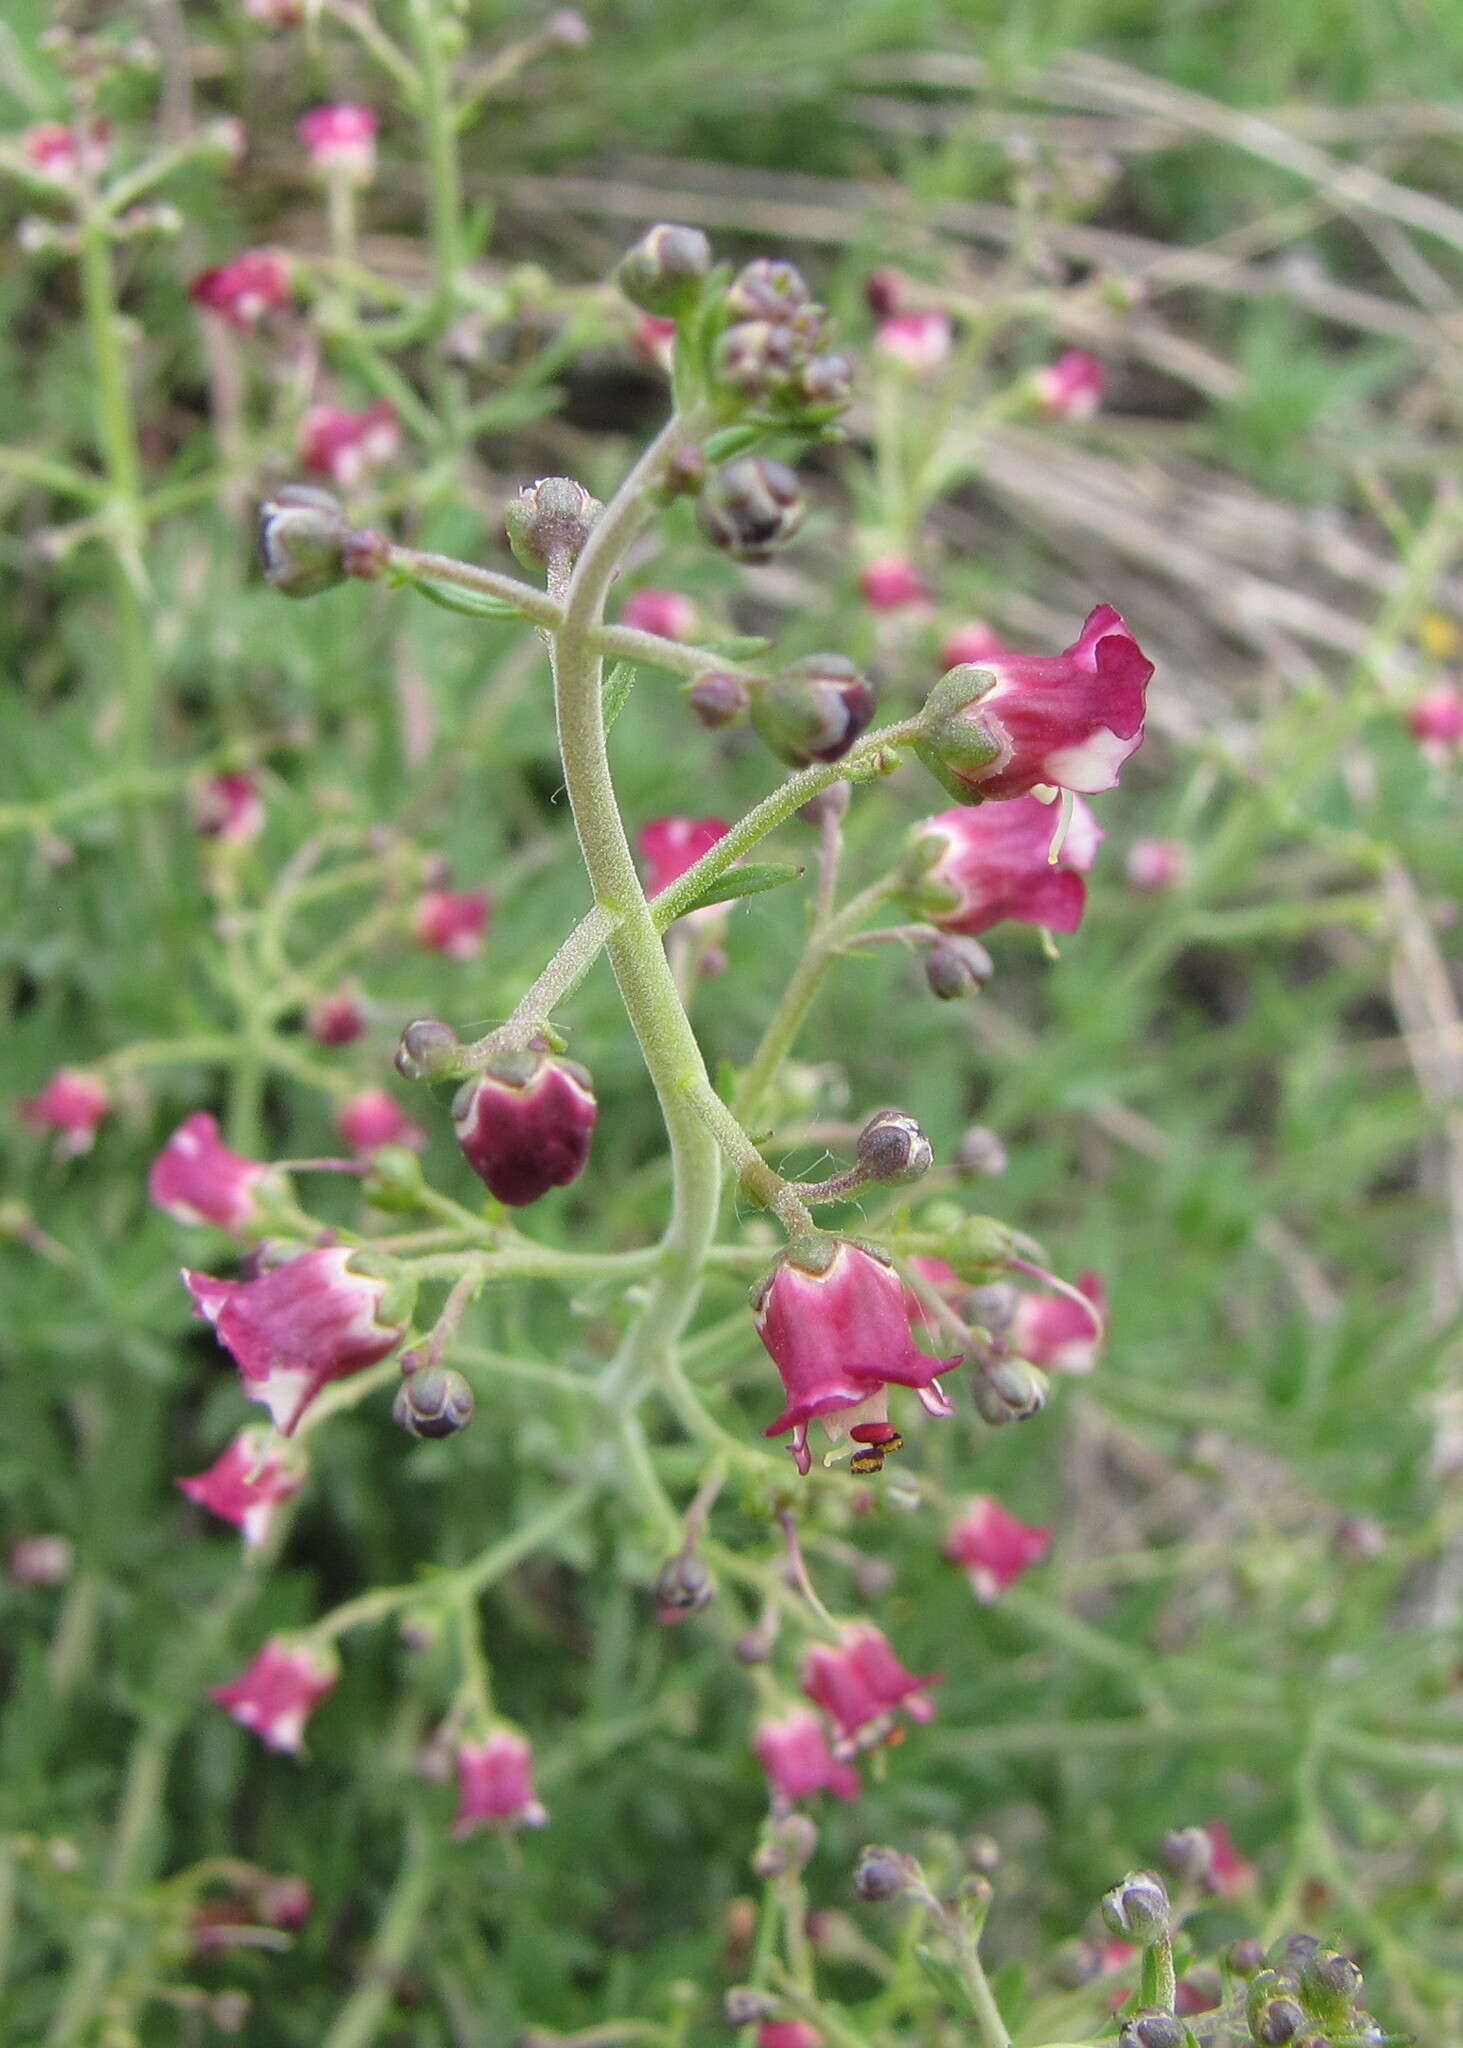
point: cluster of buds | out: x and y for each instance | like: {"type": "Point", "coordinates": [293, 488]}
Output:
{"type": "Point", "coordinates": [751, 508]}
{"type": "Point", "coordinates": [769, 353]}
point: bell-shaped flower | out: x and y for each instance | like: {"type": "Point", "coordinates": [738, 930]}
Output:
{"type": "Point", "coordinates": [71, 1104]}
{"type": "Point", "coordinates": [525, 1124]}
{"type": "Point", "coordinates": [794, 1753]}
{"type": "Point", "coordinates": [1070, 388]}
{"type": "Point", "coordinates": [495, 1784]}
{"type": "Point", "coordinates": [916, 342]}
{"type": "Point", "coordinates": [971, 869]}
{"type": "Point", "coordinates": [834, 1317]}
{"type": "Point", "coordinates": [372, 1119]}
{"type": "Point", "coordinates": [1066, 720]}
{"type": "Point", "coordinates": [243, 290]}
{"type": "Point", "coordinates": [340, 140]}
{"type": "Point", "coordinates": [992, 1547]}
{"type": "Point", "coordinates": [248, 1484]}
{"type": "Point", "coordinates": [452, 921]}
{"type": "Point", "coordinates": [861, 1685]}
{"type": "Point", "coordinates": [298, 1326]}
{"type": "Point", "coordinates": [891, 583]}
{"type": "Point", "coordinates": [346, 446]}
{"type": "Point", "coordinates": [669, 614]}
{"type": "Point", "coordinates": [197, 1179]}
{"type": "Point", "coordinates": [280, 1690]}
{"type": "Point", "coordinates": [1060, 1334]}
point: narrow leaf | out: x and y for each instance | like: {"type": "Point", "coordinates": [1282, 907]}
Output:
{"type": "Point", "coordinates": [743, 881]}
{"type": "Point", "coordinates": [946, 1979]}
{"type": "Point", "coordinates": [473, 604]}
{"type": "Point", "coordinates": [729, 441]}
{"type": "Point", "coordinates": [617, 686]}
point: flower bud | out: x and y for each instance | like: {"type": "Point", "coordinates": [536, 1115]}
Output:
{"type": "Point", "coordinates": [751, 508]}
{"type": "Point", "coordinates": [434, 1401]}
{"type": "Point", "coordinates": [683, 1586]}
{"type": "Point", "coordinates": [1152, 2030]}
{"type": "Point", "coordinates": [786, 1847]}
{"type": "Point", "coordinates": [881, 1874]}
{"type": "Point", "coordinates": [813, 710]}
{"type": "Point", "coordinates": [1137, 1909]}
{"type": "Point", "coordinates": [718, 699]}
{"type": "Point", "coordinates": [980, 1151]}
{"type": "Point", "coordinates": [1010, 1390]}
{"type": "Point", "coordinates": [1330, 1985]}
{"type": "Point", "coordinates": [301, 534]}
{"type": "Point", "coordinates": [893, 1149]}
{"type": "Point", "coordinates": [1187, 1854]}
{"type": "Point", "coordinates": [956, 966]}
{"type": "Point", "coordinates": [429, 1051]}
{"type": "Point", "coordinates": [744, 2005]}
{"type": "Point", "coordinates": [525, 1124]}
{"type": "Point", "coordinates": [1077, 1963]}
{"type": "Point", "coordinates": [665, 270]}
{"type": "Point", "coordinates": [768, 290]}
{"type": "Point", "coordinates": [393, 1180]}
{"type": "Point", "coordinates": [1276, 2022]}
{"type": "Point", "coordinates": [549, 522]}
{"type": "Point", "coordinates": [991, 1308]}
{"type": "Point", "coordinates": [1245, 1957]}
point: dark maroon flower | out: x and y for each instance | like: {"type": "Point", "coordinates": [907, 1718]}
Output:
{"type": "Point", "coordinates": [525, 1125]}
{"type": "Point", "coordinates": [230, 809]}
{"type": "Point", "coordinates": [337, 1020]}
{"type": "Point", "coordinates": [970, 869]}
{"type": "Point", "coordinates": [299, 1326]}
{"type": "Point", "coordinates": [795, 1755]}
{"type": "Point", "coordinates": [373, 1119]}
{"type": "Point", "coordinates": [891, 583]}
{"type": "Point", "coordinates": [992, 1547]}
{"type": "Point", "coordinates": [834, 1317]}
{"type": "Point", "coordinates": [199, 1180]}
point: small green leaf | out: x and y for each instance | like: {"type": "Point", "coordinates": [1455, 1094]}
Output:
{"type": "Point", "coordinates": [946, 1979]}
{"type": "Point", "coordinates": [730, 441]}
{"type": "Point", "coordinates": [739, 647]}
{"type": "Point", "coordinates": [473, 604]}
{"type": "Point", "coordinates": [617, 686]}
{"type": "Point", "coordinates": [746, 881]}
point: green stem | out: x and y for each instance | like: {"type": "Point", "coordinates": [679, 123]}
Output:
{"type": "Point", "coordinates": [360, 2018]}
{"type": "Point", "coordinates": [439, 132]}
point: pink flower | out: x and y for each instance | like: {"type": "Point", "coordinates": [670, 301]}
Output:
{"type": "Point", "coordinates": [917, 342]}
{"type": "Point", "coordinates": [72, 1104]}
{"type": "Point", "coordinates": [655, 341]}
{"type": "Point", "coordinates": [298, 1326]}
{"type": "Point", "coordinates": [1069, 720]}
{"type": "Point", "coordinates": [977, 867]}
{"type": "Point", "coordinates": [199, 1180]}
{"type": "Point", "coordinates": [861, 1685]}
{"type": "Point", "coordinates": [247, 1485]}
{"type": "Point", "coordinates": [280, 1690]}
{"type": "Point", "coordinates": [993, 1547]}
{"type": "Point", "coordinates": [1057, 1333]}
{"type": "Point", "coordinates": [1071, 387]}
{"type": "Point", "coordinates": [1435, 720]}
{"type": "Point", "coordinates": [452, 921]}
{"type": "Point", "coordinates": [667, 613]}
{"type": "Point", "coordinates": [525, 1125]}
{"type": "Point", "coordinates": [336, 1020]}
{"type": "Point", "coordinates": [495, 1784]}
{"type": "Point", "coordinates": [276, 13]}
{"type": "Point", "coordinates": [669, 846]}
{"type": "Point", "coordinates": [39, 1561]}
{"type": "Point", "coordinates": [795, 1755]}
{"type": "Point", "coordinates": [244, 290]}
{"type": "Point", "coordinates": [346, 446]}
{"type": "Point", "coordinates": [976, 645]}
{"type": "Point", "coordinates": [341, 141]}
{"type": "Point", "coordinates": [946, 1283]}
{"type": "Point", "coordinates": [788, 2034]}
{"type": "Point", "coordinates": [372, 1119]}
{"type": "Point", "coordinates": [886, 292]}
{"type": "Point", "coordinates": [230, 809]}
{"type": "Point", "coordinates": [1229, 1872]}
{"type": "Point", "coordinates": [1156, 865]}
{"type": "Point", "coordinates": [890, 583]}
{"type": "Point", "coordinates": [834, 1319]}
{"type": "Point", "coordinates": [68, 155]}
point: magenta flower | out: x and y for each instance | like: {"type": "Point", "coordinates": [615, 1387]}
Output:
{"type": "Point", "coordinates": [916, 342]}
{"type": "Point", "coordinates": [891, 583]}
{"type": "Point", "coordinates": [341, 141]}
{"type": "Point", "coordinates": [247, 1485]}
{"type": "Point", "coordinates": [1229, 1872]}
{"type": "Point", "coordinates": [525, 1125]}
{"type": "Point", "coordinates": [495, 1784]}
{"type": "Point", "coordinates": [197, 1179]}
{"type": "Point", "coordinates": [372, 1119]}
{"type": "Point", "coordinates": [230, 809]}
{"type": "Point", "coordinates": [671, 845]}
{"type": "Point", "coordinates": [861, 1685]}
{"type": "Point", "coordinates": [1435, 720]}
{"type": "Point", "coordinates": [1067, 720]}
{"type": "Point", "coordinates": [452, 921]}
{"type": "Point", "coordinates": [788, 2034]}
{"type": "Point", "coordinates": [347, 446]}
{"type": "Point", "coordinates": [992, 1547]}
{"type": "Point", "coordinates": [667, 613]}
{"type": "Point", "coordinates": [298, 1326]}
{"type": "Point", "coordinates": [1059, 1334]}
{"type": "Point", "coordinates": [276, 1696]}
{"type": "Point", "coordinates": [1070, 388]}
{"type": "Point", "coordinates": [68, 155]}
{"type": "Point", "coordinates": [833, 1316]}
{"type": "Point", "coordinates": [72, 1104]}
{"type": "Point", "coordinates": [970, 869]}
{"type": "Point", "coordinates": [1157, 865]}
{"type": "Point", "coordinates": [336, 1020]}
{"type": "Point", "coordinates": [245, 289]}
{"type": "Point", "coordinates": [795, 1755]}
{"type": "Point", "coordinates": [655, 341]}
{"type": "Point", "coordinates": [976, 645]}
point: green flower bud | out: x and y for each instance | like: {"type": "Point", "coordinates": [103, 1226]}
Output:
{"type": "Point", "coordinates": [302, 534]}
{"type": "Point", "coordinates": [751, 508]}
{"type": "Point", "coordinates": [664, 272]}
{"type": "Point", "coordinates": [1138, 1910]}
{"type": "Point", "coordinates": [549, 522]}
{"type": "Point", "coordinates": [1330, 1985]}
{"type": "Point", "coordinates": [393, 1180]}
{"type": "Point", "coordinates": [434, 1401]}
{"type": "Point", "coordinates": [813, 710]}
{"type": "Point", "coordinates": [1010, 1390]}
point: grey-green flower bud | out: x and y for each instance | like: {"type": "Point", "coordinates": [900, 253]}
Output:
{"type": "Point", "coordinates": [893, 1149]}
{"type": "Point", "coordinates": [956, 966]}
{"type": "Point", "coordinates": [1330, 1985]}
{"type": "Point", "coordinates": [1152, 2030]}
{"type": "Point", "coordinates": [549, 522]}
{"type": "Point", "coordinates": [718, 699]}
{"type": "Point", "coordinates": [302, 533]}
{"type": "Point", "coordinates": [665, 270]}
{"type": "Point", "coordinates": [433, 1402]}
{"type": "Point", "coordinates": [1138, 1909]}
{"type": "Point", "coordinates": [881, 1874]}
{"type": "Point", "coordinates": [429, 1051]}
{"type": "Point", "coordinates": [1277, 2022]}
{"type": "Point", "coordinates": [1010, 1390]}
{"type": "Point", "coordinates": [813, 710]}
{"type": "Point", "coordinates": [751, 508]}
